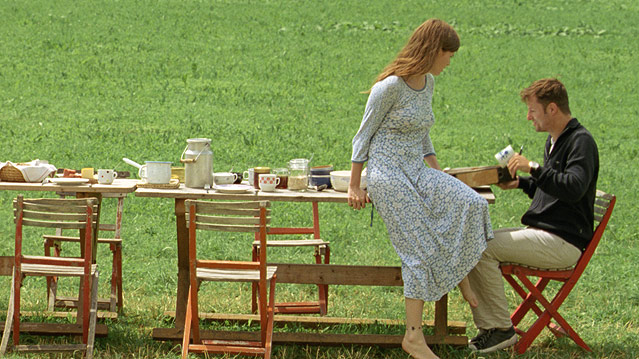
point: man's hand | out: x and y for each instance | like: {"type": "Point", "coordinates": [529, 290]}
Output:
{"type": "Point", "coordinates": [357, 197]}
{"type": "Point", "coordinates": [518, 163]}
{"type": "Point", "coordinates": [509, 185]}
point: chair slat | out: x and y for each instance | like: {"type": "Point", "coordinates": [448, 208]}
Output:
{"type": "Point", "coordinates": [233, 275]}
{"type": "Point", "coordinates": [230, 220]}
{"type": "Point", "coordinates": [60, 207]}
{"type": "Point", "coordinates": [57, 224]}
{"type": "Point", "coordinates": [204, 263]}
{"type": "Point", "coordinates": [57, 216]}
{"type": "Point", "coordinates": [605, 195]}
{"type": "Point", "coordinates": [601, 202]}
{"type": "Point", "coordinates": [66, 201]}
{"type": "Point", "coordinates": [227, 228]}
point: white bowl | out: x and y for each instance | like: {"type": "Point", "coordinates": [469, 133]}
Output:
{"type": "Point", "coordinates": [341, 179]}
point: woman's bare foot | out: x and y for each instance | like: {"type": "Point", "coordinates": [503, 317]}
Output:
{"type": "Point", "coordinates": [415, 345]}
{"type": "Point", "coordinates": [467, 293]}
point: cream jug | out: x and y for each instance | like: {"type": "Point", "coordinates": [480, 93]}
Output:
{"type": "Point", "coordinates": [198, 163]}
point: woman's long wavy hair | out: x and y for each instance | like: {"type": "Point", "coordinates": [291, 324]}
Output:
{"type": "Point", "coordinates": [418, 55]}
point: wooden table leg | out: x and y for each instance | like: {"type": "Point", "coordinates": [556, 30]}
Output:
{"type": "Point", "coordinates": [441, 318]}
{"type": "Point", "coordinates": [183, 263]}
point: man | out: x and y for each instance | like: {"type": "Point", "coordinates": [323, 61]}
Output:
{"type": "Point", "coordinates": [559, 223]}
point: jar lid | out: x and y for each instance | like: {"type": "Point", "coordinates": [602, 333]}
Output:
{"type": "Point", "coordinates": [260, 169]}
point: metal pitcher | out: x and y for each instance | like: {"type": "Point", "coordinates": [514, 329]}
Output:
{"type": "Point", "coordinates": [198, 163]}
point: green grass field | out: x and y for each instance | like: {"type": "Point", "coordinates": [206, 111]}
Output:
{"type": "Point", "coordinates": [83, 84]}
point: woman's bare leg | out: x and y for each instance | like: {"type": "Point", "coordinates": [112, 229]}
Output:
{"type": "Point", "coordinates": [414, 342]}
{"type": "Point", "coordinates": [467, 293]}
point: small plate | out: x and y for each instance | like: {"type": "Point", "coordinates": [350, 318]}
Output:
{"type": "Point", "coordinates": [233, 188]}
{"type": "Point", "coordinates": [68, 181]}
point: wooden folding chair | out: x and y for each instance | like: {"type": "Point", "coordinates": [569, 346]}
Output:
{"type": "Point", "coordinates": [249, 217]}
{"type": "Point", "coordinates": [322, 254]}
{"type": "Point", "coordinates": [114, 303]}
{"type": "Point", "coordinates": [79, 214]}
{"type": "Point", "coordinates": [532, 294]}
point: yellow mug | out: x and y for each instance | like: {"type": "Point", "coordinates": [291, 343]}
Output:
{"type": "Point", "coordinates": [87, 173]}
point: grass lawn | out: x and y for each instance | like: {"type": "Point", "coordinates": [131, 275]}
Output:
{"type": "Point", "coordinates": [83, 84]}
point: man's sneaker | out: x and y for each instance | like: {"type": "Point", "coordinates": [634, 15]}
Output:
{"type": "Point", "coordinates": [474, 339]}
{"type": "Point", "coordinates": [493, 339]}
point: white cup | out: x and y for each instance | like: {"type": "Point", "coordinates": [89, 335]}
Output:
{"type": "Point", "coordinates": [504, 155]}
{"type": "Point", "coordinates": [268, 182]}
{"type": "Point", "coordinates": [224, 177]}
{"type": "Point", "coordinates": [249, 176]}
{"type": "Point", "coordinates": [106, 176]}
{"type": "Point", "coordinates": [156, 172]}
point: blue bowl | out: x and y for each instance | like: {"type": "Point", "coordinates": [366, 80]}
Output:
{"type": "Point", "coordinates": [320, 180]}
{"type": "Point", "coordinates": [321, 170]}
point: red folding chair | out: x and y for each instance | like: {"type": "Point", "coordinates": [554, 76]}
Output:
{"type": "Point", "coordinates": [532, 295]}
{"type": "Point", "coordinates": [77, 214]}
{"type": "Point", "coordinates": [234, 217]}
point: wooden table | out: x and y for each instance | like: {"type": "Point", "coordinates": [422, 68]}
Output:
{"type": "Point", "coordinates": [328, 274]}
{"type": "Point", "coordinates": [118, 187]}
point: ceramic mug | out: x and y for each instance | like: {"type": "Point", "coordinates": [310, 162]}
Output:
{"type": "Point", "coordinates": [268, 182]}
{"type": "Point", "coordinates": [504, 155]}
{"type": "Point", "coordinates": [224, 177]}
{"type": "Point", "coordinates": [156, 172]}
{"type": "Point", "coordinates": [249, 176]}
{"type": "Point", "coordinates": [106, 176]}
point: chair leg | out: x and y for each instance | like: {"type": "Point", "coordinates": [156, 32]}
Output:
{"type": "Point", "coordinates": [9, 321]}
{"type": "Point", "coordinates": [17, 284]}
{"type": "Point", "coordinates": [52, 281]}
{"type": "Point", "coordinates": [118, 259]}
{"type": "Point", "coordinates": [323, 288]}
{"type": "Point", "coordinates": [186, 337]}
{"type": "Point", "coordinates": [254, 290]}
{"type": "Point", "coordinates": [268, 344]}
{"type": "Point", "coordinates": [550, 313]}
{"type": "Point", "coordinates": [93, 315]}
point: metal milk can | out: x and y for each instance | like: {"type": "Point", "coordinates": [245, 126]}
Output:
{"type": "Point", "coordinates": [198, 163]}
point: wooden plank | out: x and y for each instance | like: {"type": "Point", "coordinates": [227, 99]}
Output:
{"type": "Point", "coordinates": [101, 330]}
{"type": "Point", "coordinates": [455, 327]}
{"type": "Point", "coordinates": [6, 265]}
{"type": "Point", "coordinates": [338, 274]}
{"type": "Point", "coordinates": [280, 195]}
{"type": "Point", "coordinates": [50, 348]}
{"type": "Point", "coordinates": [118, 186]}
{"type": "Point", "coordinates": [384, 340]}
{"type": "Point", "coordinates": [60, 314]}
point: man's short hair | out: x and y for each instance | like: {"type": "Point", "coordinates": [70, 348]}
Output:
{"type": "Point", "coordinates": [547, 91]}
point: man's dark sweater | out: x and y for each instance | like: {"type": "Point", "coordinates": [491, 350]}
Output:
{"type": "Point", "coordinates": [563, 189]}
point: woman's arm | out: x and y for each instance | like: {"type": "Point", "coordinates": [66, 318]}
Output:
{"type": "Point", "coordinates": [431, 161]}
{"type": "Point", "coordinates": [357, 197]}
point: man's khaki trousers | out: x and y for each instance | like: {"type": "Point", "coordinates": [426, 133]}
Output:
{"type": "Point", "coordinates": [528, 246]}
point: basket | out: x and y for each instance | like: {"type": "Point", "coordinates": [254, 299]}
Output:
{"type": "Point", "coordinates": [10, 173]}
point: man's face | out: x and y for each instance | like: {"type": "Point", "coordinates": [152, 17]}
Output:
{"type": "Point", "coordinates": [538, 115]}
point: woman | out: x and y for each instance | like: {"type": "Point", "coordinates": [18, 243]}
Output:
{"type": "Point", "coordinates": [437, 224]}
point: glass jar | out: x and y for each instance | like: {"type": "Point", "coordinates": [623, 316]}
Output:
{"type": "Point", "coordinates": [282, 174]}
{"type": "Point", "coordinates": [257, 171]}
{"type": "Point", "coordinates": [298, 174]}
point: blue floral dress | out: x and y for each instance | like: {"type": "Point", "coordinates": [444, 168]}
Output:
{"type": "Point", "coordinates": [437, 225]}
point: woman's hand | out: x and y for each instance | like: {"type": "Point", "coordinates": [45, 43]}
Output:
{"type": "Point", "coordinates": [357, 197]}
